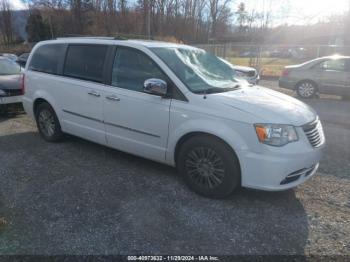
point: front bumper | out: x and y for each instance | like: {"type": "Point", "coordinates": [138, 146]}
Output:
{"type": "Point", "coordinates": [281, 168]}
{"type": "Point", "coordinates": [10, 100]}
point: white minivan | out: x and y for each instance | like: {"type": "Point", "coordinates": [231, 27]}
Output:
{"type": "Point", "coordinates": [174, 104]}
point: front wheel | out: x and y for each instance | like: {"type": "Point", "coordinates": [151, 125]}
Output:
{"type": "Point", "coordinates": [306, 89]}
{"type": "Point", "coordinates": [209, 166]}
{"type": "Point", "coordinates": [48, 124]}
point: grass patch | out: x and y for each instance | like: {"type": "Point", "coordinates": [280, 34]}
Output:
{"type": "Point", "coordinates": [3, 222]}
{"type": "Point", "coordinates": [270, 67]}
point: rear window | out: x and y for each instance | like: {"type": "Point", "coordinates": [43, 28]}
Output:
{"type": "Point", "coordinates": [85, 62]}
{"type": "Point", "coordinates": [8, 67]}
{"type": "Point", "coordinates": [46, 58]}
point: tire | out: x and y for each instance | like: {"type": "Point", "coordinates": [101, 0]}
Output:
{"type": "Point", "coordinates": [3, 110]}
{"type": "Point", "coordinates": [47, 122]}
{"type": "Point", "coordinates": [197, 159]}
{"type": "Point", "coordinates": [306, 89]}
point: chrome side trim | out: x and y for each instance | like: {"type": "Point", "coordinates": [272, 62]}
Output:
{"type": "Point", "coordinates": [110, 124]}
{"type": "Point", "coordinates": [131, 129]}
{"type": "Point", "coordinates": [87, 117]}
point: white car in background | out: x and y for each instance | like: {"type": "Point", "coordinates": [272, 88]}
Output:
{"type": "Point", "coordinates": [174, 104]}
{"type": "Point", "coordinates": [249, 74]}
{"type": "Point", "coordinates": [11, 85]}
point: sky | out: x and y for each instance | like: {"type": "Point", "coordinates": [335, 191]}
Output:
{"type": "Point", "coordinates": [18, 4]}
{"type": "Point", "coordinates": [284, 11]}
{"type": "Point", "coordinates": [299, 11]}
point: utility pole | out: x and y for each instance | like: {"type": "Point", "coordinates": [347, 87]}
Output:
{"type": "Point", "coordinates": [51, 29]}
{"type": "Point", "coordinates": [347, 30]}
{"type": "Point", "coordinates": [148, 18]}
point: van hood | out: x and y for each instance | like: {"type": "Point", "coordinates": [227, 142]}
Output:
{"type": "Point", "coordinates": [267, 106]}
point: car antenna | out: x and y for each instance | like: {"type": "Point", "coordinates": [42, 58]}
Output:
{"type": "Point", "coordinates": [205, 94]}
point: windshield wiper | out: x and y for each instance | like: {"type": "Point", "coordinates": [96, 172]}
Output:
{"type": "Point", "coordinates": [214, 90]}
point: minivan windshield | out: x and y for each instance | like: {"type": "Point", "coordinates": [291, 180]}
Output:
{"type": "Point", "coordinates": [200, 71]}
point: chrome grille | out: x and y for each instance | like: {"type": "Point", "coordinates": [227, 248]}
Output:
{"type": "Point", "coordinates": [314, 133]}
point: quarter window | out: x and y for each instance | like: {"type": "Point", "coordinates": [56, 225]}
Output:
{"type": "Point", "coordinates": [131, 68]}
{"type": "Point", "coordinates": [85, 62]}
{"type": "Point", "coordinates": [348, 65]}
{"type": "Point", "coordinates": [334, 65]}
{"type": "Point", "coordinates": [46, 58]}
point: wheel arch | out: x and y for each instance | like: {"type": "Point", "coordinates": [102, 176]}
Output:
{"type": "Point", "coordinates": [190, 135]}
{"type": "Point", "coordinates": [185, 137]}
{"type": "Point", "coordinates": [225, 131]}
{"type": "Point", "coordinates": [38, 102]}
{"type": "Point", "coordinates": [43, 97]}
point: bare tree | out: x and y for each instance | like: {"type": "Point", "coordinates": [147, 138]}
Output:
{"type": "Point", "coordinates": [219, 14]}
{"type": "Point", "coordinates": [186, 20]}
{"type": "Point", "coordinates": [124, 19]}
{"type": "Point", "coordinates": [242, 16]}
{"type": "Point", "coordinates": [6, 25]}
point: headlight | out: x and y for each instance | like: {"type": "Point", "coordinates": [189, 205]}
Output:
{"type": "Point", "coordinates": [275, 134]}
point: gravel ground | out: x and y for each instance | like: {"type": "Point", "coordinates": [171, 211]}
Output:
{"type": "Point", "coordinates": [77, 197]}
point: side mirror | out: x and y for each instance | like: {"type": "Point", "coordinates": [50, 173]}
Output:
{"type": "Point", "coordinates": [155, 86]}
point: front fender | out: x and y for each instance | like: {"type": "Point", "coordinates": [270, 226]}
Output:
{"type": "Point", "coordinates": [220, 129]}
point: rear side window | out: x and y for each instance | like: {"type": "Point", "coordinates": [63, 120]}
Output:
{"type": "Point", "coordinates": [46, 58]}
{"type": "Point", "coordinates": [85, 62]}
{"type": "Point", "coordinates": [334, 65]}
{"type": "Point", "coordinates": [131, 68]}
{"type": "Point", "coordinates": [348, 65]}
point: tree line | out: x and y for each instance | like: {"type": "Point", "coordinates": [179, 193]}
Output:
{"type": "Point", "coordinates": [186, 20]}
{"type": "Point", "coordinates": [189, 21]}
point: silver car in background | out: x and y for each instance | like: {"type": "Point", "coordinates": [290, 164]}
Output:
{"type": "Point", "coordinates": [328, 75]}
{"type": "Point", "coordinates": [11, 88]}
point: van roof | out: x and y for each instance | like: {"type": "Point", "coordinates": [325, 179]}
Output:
{"type": "Point", "coordinates": [111, 40]}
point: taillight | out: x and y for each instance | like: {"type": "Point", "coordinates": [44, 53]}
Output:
{"type": "Point", "coordinates": [22, 84]}
{"type": "Point", "coordinates": [285, 72]}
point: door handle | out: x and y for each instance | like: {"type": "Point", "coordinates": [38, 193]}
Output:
{"type": "Point", "coordinates": [94, 93]}
{"type": "Point", "coordinates": [113, 98]}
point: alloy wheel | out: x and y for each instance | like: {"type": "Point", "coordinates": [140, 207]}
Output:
{"type": "Point", "coordinates": [205, 167]}
{"type": "Point", "coordinates": [306, 90]}
{"type": "Point", "coordinates": [46, 123]}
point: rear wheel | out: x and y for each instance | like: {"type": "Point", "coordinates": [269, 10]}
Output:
{"type": "Point", "coordinates": [48, 124]}
{"type": "Point", "coordinates": [209, 166]}
{"type": "Point", "coordinates": [3, 109]}
{"type": "Point", "coordinates": [306, 89]}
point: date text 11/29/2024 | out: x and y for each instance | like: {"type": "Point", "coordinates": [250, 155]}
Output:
{"type": "Point", "coordinates": [173, 258]}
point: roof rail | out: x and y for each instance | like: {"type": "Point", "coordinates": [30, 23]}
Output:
{"type": "Point", "coordinates": [87, 37]}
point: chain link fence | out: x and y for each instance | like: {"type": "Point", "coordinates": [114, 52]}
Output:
{"type": "Point", "coordinates": [270, 60]}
